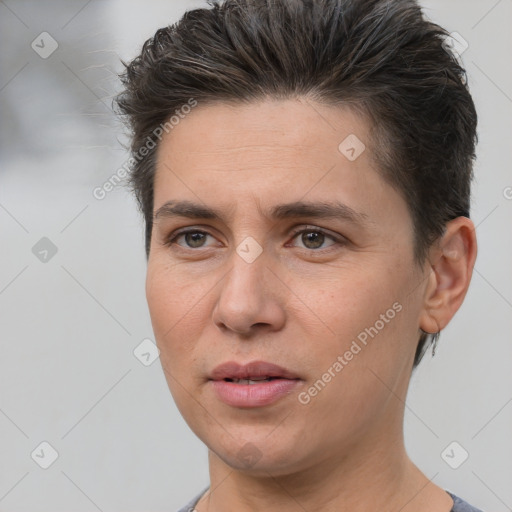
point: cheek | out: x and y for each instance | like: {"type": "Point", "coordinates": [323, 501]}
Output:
{"type": "Point", "coordinates": [354, 299]}
{"type": "Point", "coordinates": [174, 302]}
{"type": "Point", "coordinates": [372, 321]}
{"type": "Point", "coordinates": [176, 314]}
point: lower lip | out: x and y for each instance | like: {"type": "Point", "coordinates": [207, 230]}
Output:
{"type": "Point", "coordinates": [253, 395]}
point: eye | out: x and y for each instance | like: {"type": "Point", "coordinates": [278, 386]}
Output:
{"type": "Point", "coordinates": [315, 239]}
{"type": "Point", "coordinates": [193, 239]}
{"type": "Point", "coordinates": [311, 239]}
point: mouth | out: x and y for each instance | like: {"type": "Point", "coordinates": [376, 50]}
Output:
{"type": "Point", "coordinates": [251, 381]}
{"type": "Point", "coordinates": [256, 384]}
{"type": "Point", "coordinates": [254, 371]}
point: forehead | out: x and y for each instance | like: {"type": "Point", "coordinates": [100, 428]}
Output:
{"type": "Point", "coordinates": [274, 128]}
{"type": "Point", "coordinates": [242, 157]}
{"type": "Point", "coordinates": [274, 135]}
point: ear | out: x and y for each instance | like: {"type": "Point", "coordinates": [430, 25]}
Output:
{"type": "Point", "coordinates": [451, 261]}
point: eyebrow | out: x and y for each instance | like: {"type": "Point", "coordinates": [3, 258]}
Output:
{"type": "Point", "coordinates": [316, 210]}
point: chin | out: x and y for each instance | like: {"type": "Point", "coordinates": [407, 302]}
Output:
{"type": "Point", "coordinates": [257, 454]}
{"type": "Point", "coordinates": [252, 461]}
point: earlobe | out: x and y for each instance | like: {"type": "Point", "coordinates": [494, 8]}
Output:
{"type": "Point", "coordinates": [451, 266]}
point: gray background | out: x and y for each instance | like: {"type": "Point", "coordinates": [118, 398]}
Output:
{"type": "Point", "coordinates": [70, 324]}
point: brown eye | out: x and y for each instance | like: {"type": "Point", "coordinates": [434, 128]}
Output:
{"type": "Point", "coordinates": [193, 239]}
{"type": "Point", "coordinates": [314, 239]}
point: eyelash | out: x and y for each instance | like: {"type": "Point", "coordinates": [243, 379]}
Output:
{"type": "Point", "coordinates": [337, 240]}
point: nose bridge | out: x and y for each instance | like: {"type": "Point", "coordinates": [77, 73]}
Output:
{"type": "Point", "coordinates": [246, 280]}
{"type": "Point", "coordinates": [247, 296]}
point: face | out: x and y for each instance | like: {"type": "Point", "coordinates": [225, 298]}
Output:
{"type": "Point", "coordinates": [292, 261]}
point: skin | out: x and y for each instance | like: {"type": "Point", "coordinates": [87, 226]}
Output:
{"type": "Point", "coordinates": [298, 305]}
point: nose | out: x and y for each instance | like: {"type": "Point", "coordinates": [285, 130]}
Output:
{"type": "Point", "coordinates": [250, 300]}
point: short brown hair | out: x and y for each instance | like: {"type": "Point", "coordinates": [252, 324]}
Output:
{"type": "Point", "coordinates": [381, 57]}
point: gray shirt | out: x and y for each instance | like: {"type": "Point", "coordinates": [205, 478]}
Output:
{"type": "Point", "coordinates": [459, 505]}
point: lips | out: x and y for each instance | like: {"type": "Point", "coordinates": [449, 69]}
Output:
{"type": "Point", "coordinates": [255, 384]}
{"type": "Point", "coordinates": [254, 371]}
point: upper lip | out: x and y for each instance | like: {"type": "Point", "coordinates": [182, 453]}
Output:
{"type": "Point", "coordinates": [234, 370]}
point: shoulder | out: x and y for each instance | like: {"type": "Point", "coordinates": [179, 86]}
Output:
{"type": "Point", "coordinates": [190, 506]}
{"type": "Point", "coordinates": [459, 505]}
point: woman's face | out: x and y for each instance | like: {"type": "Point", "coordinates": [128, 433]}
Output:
{"type": "Point", "coordinates": [333, 300]}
